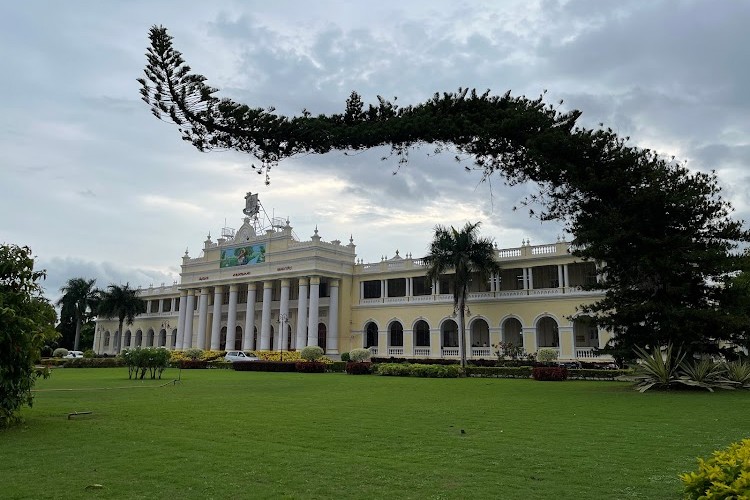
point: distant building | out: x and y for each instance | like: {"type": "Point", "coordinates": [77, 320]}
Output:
{"type": "Point", "coordinates": [260, 288]}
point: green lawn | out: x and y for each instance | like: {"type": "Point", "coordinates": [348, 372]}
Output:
{"type": "Point", "coordinates": [226, 434]}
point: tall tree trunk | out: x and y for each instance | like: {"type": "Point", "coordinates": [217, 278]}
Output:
{"type": "Point", "coordinates": [119, 347]}
{"type": "Point", "coordinates": [462, 329]}
{"type": "Point", "coordinates": [77, 339]}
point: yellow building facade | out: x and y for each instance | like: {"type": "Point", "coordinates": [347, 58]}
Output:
{"type": "Point", "coordinates": [267, 290]}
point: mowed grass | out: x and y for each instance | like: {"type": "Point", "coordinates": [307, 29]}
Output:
{"type": "Point", "coordinates": [226, 434]}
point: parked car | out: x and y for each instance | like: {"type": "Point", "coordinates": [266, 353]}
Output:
{"type": "Point", "coordinates": [74, 354]}
{"type": "Point", "coordinates": [239, 356]}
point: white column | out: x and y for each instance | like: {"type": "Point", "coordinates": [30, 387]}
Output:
{"type": "Point", "coordinates": [565, 275]}
{"type": "Point", "coordinates": [302, 314]}
{"type": "Point", "coordinates": [232, 317]}
{"type": "Point", "coordinates": [216, 320]}
{"type": "Point", "coordinates": [148, 307]}
{"type": "Point", "coordinates": [525, 278]}
{"type": "Point", "coordinates": [332, 340]}
{"type": "Point", "coordinates": [181, 319]}
{"type": "Point", "coordinates": [265, 319]}
{"type": "Point", "coordinates": [187, 340]}
{"type": "Point", "coordinates": [281, 343]}
{"type": "Point", "coordinates": [408, 287]}
{"type": "Point", "coordinates": [202, 318]}
{"type": "Point", "coordinates": [385, 288]}
{"type": "Point", "coordinates": [161, 305]}
{"type": "Point", "coordinates": [172, 304]}
{"type": "Point", "coordinates": [531, 278]}
{"type": "Point", "coordinates": [436, 287]}
{"type": "Point", "coordinates": [247, 341]}
{"type": "Point", "coordinates": [361, 290]}
{"type": "Point", "coordinates": [560, 282]}
{"type": "Point", "coordinates": [312, 320]}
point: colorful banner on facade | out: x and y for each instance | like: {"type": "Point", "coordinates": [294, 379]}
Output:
{"type": "Point", "coordinates": [242, 256]}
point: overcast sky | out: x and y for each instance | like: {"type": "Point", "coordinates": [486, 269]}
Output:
{"type": "Point", "coordinates": [99, 188]}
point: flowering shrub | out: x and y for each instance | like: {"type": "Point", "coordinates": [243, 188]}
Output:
{"type": "Point", "coordinates": [358, 368]}
{"type": "Point", "coordinates": [310, 366]}
{"type": "Point", "coordinates": [359, 355]}
{"type": "Point", "coordinates": [311, 352]}
{"type": "Point", "coordinates": [545, 355]}
{"type": "Point", "coordinates": [509, 350]}
{"type": "Point", "coordinates": [555, 373]}
{"type": "Point", "coordinates": [213, 355]}
{"type": "Point", "coordinates": [726, 475]}
{"type": "Point", "coordinates": [59, 352]}
{"type": "Point", "coordinates": [277, 356]}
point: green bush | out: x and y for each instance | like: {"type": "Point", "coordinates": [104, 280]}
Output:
{"type": "Point", "coordinates": [311, 353]}
{"type": "Point", "coordinates": [89, 353]}
{"type": "Point", "coordinates": [336, 366]}
{"type": "Point", "coordinates": [345, 357]}
{"type": "Point", "coordinates": [739, 372]}
{"type": "Point", "coordinates": [193, 354]}
{"type": "Point", "coordinates": [60, 352]}
{"type": "Point", "coordinates": [146, 359]}
{"type": "Point", "coordinates": [359, 354]}
{"type": "Point", "coordinates": [89, 362]}
{"type": "Point", "coordinates": [549, 373]}
{"type": "Point", "coordinates": [591, 374]}
{"type": "Point", "coordinates": [418, 370]}
{"type": "Point", "coordinates": [310, 366]}
{"type": "Point", "coordinates": [499, 371]}
{"type": "Point", "coordinates": [545, 355]}
{"type": "Point", "coordinates": [726, 475]}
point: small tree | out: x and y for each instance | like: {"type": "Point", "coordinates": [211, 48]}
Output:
{"type": "Point", "coordinates": [26, 321]}
{"type": "Point", "coordinates": [311, 353]}
{"type": "Point", "coordinates": [360, 355]}
{"type": "Point", "coordinates": [79, 301]}
{"type": "Point", "coordinates": [545, 355]}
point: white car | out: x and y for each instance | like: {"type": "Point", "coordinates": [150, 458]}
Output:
{"type": "Point", "coordinates": [239, 356]}
{"type": "Point", "coordinates": [74, 354]}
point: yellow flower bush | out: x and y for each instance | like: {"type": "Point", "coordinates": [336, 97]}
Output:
{"type": "Point", "coordinates": [726, 475]}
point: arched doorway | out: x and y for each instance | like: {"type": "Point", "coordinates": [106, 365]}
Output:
{"type": "Point", "coordinates": [322, 336]}
{"type": "Point", "coordinates": [371, 335]}
{"type": "Point", "coordinates": [547, 333]}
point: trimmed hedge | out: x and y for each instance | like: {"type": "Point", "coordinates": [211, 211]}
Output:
{"type": "Point", "coordinates": [499, 371]}
{"type": "Point", "coordinates": [193, 364]}
{"type": "Point", "coordinates": [359, 368]}
{"type": "Point", "coordinates": [549, 373]}
{"type": "Point", "coordinates": [591, 374]}
{"type": "Point", "coordinates": [84, 362]}
{"type": "Point", "coordinates": [310, 367]}
{"type": "Point", "coordinates": [419, 370]}
{"type": "Point", "coordinates": [265, 366]}
{"type": "Point", "coordinates": [336, 366]}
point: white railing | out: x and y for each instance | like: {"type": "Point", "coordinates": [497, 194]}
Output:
{"type": "Point", "coordinates": [421, 351]}
{"type": "Point", "coordinates": [511, 293]}
{"type": "Point", "coordinates": [545, 291]}
{"type": "Point", "coordinates": [481, 352]}
{"type": "Point", "coordinates": [421, 298]}
{"type": "Point", "coordinates": [511, 252]}
{"type": "Point", "coordinates": [400, 264]}
{"type": "Point", "coordinates": [371, 301]}
{"type": "Point", "coordinates": [543, 249]}
{"type": "Point", "coordinates": [450, 351]}
{"type": "Point", "coordinates": [373, 351]}
{"type": "Point", "coordinates": [370, 268]}
{"type": "Point", "coordinates": [588, 353]}
{"type": "Point", "coordinates": [419, 262]}
{"type": "Point", "coordinates": [444, 297]}
{"type": "Point", "coordinates": [481, 295]}
{"type": "Point", "coordinates": [395, 351]}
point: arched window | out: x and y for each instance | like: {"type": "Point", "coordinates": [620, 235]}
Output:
{"type": "Point", "coordinates": [395, 334]}
{"type": "Point", "coordinates": [126, 340]}
{"type": "Point", "coordinates": [150, 338]}
{"type": "Point", "coordinates": [238, 338]}
{"type": "Point", "coordinates": [162, 338]}
{"type": "Point", "coordinates": [174, 338]}
{"type": "Point", "coordinates": [223, 339]}
{"type": "Point", "coordinates": [371, 335]}
{"type": "Point", "coordinates": [421, 334]}
{"type": "Point", "coordinates": [138, 338]}
{"type": "Point", "coordinates": [546, 333]}
{"type": "Point", "coordinates": [449, 333]}
{"type": "Point", "coordinates": [322, 336]}
{"type": "Point", "coordinates": [480, 333]}
{"type": "Point", "coordinates": [512, 332]}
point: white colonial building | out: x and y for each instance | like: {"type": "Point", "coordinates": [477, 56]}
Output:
{"type": "Point", "coordinates": [261, 288]}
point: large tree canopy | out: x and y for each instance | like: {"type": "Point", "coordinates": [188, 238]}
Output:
{"type": "Point", "coordinates": [662, 233]}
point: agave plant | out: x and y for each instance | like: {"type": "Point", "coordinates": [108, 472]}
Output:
{"type": "Point", "coordinates": [739, 372]}
{"type": "Point", "coordinates": [706, 374]}
{"type": "Point", "coordinates": [658, 370]}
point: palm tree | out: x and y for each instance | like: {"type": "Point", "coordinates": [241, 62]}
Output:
{"type": "Point", "coordinates": [121, 302]}
{"type": "Point", "coordinates": [79, 299]}
{"type": "Point", "coordinates": [464, 252]}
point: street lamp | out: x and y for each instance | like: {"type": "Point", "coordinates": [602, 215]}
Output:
{"type": "Point", "coordinates": [283, 319]}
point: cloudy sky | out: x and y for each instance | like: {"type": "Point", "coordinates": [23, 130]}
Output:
{"type": "Point", "coordinates": [99, 188]}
